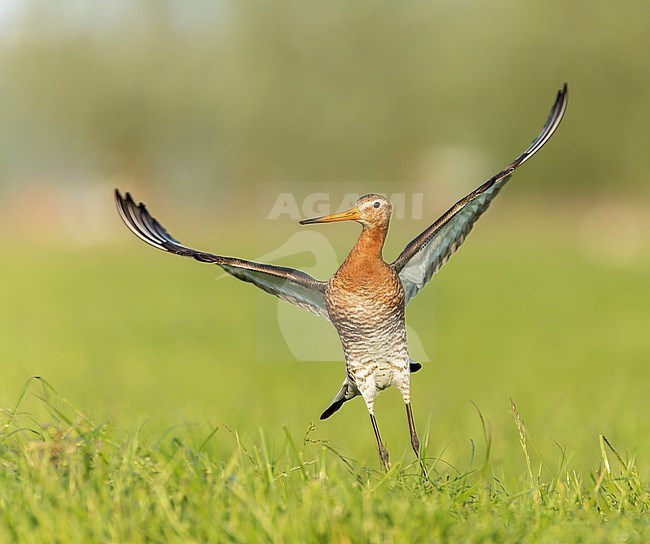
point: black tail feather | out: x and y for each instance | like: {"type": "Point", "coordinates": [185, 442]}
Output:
{"type": "Point", "coordinates": [340, 397]}
{"type": "Point", "coordinates": [334, 407]}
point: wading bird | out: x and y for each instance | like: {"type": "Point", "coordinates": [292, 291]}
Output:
{"type": "Point", "coordinates": [366, 297]}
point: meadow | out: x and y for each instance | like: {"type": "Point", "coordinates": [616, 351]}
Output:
{"type": "Point", "coordinates": [144, 398]}
{"type": "Point", "coordinates": [153, 418]}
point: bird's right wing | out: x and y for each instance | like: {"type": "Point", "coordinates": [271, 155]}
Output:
{"type": "Point", "coordinates": [285, 283]}
{"type": "Point", "coordinates": [429, 251]}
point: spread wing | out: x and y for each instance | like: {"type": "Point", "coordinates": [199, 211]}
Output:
{"type": "Point", "coordinates": [426, 254]}
{"type": "Point", "coordinates": [285, 283]}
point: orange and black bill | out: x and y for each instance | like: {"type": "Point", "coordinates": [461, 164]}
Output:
{"type": "Point", "coordinates": [352, 214]}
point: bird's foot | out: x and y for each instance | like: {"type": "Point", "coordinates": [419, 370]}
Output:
{"type": "Point", "coordinates": [383, 455]}
{"type": "Point", "coordinates": [415, 444]}
{"type": "Point", "coordinates": [423, 468]}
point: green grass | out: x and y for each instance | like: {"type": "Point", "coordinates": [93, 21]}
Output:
{"type": "Point", "coordinates": [189, 437]}
{"type": "Point", "coordinates": [68, 479]}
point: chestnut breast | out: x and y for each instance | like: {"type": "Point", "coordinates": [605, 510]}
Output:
{"type": "Point", "coordinates": [365, 301]}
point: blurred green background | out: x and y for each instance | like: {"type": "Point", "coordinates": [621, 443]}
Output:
{"type": "Point", "coordinates": [200, 107]}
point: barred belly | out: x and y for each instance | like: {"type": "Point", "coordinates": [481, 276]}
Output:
{"type": "Point", "coordinates": [373, 335]}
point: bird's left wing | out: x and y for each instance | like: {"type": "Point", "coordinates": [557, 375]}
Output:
{"type": "Point", "coordinates": [285, 283]}
{"type": "Point", "coordinates": [426, 253]}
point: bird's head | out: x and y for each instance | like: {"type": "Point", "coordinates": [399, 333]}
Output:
{"type": "Point", "coordinates": [371, 211]}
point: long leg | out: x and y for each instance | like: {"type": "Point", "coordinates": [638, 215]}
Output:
{"type": "Point", "coordinates": [404, 386]}
{"type": "Point", "coordinates": [415, 442]}
{"type": "Point", "coordinates": [383, 453]}
{"type": "Point", "coordinates": [368, 390]}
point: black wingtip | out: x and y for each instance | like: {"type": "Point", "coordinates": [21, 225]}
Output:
{"type": "Point", "coordinates": [119, 199]}
{"type": "Point", "coordinates": [552, 123]}
{"type": "Point", "coordinates": [123, 200]}
{"type": "Point", "coordinates": [562, 97]}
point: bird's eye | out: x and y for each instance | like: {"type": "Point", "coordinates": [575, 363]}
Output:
{"type": "Point", "coordinates": [377, 204]}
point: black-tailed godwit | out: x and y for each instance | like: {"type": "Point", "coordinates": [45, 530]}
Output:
{"type": "Point", "coordinates": [366, 297]}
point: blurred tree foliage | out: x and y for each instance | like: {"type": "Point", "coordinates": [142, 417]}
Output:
{"type": "Point", "coordinates": [235, 92]}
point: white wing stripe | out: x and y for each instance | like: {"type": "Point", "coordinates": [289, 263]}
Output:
{"type": "Point", "coordinates": [285, 283]}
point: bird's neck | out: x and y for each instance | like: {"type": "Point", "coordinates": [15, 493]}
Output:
{"type": "Point", "coordinates": [370, 243]}
{"type": "Point", "coordinates": [364, 265]}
